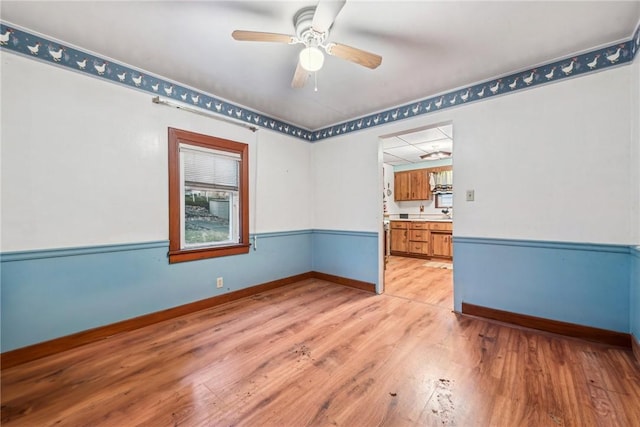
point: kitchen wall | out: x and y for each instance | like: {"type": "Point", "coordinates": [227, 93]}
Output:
{"type": "Point", "coordinates": [392, 207]}
{"type": "Point", "coordinates": [84, 205]}
{"type": "Point", "coordinates": [543, 194]}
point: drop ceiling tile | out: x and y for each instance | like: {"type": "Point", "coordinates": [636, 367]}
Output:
{"type": "Point", "coordinates": [425, 135]}
{"type": "Point", "coordinates": [392, 142]}
{"type": "Point", "coordinates": [386, 158]}
{"type": "Point", "coordinates": [404, 152]}
{"type": "Point", "coordinates": [397, 148]}
{"type": "Point", "coordinates": [447, 130]}
{"type": "Point", "coordinates": [445, 145]}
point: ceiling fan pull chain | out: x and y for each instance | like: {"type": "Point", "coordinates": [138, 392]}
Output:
{"type": "Point", "coordinates": [315, 81]}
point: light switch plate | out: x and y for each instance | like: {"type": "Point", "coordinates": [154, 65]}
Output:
{"type": "Point", "coordinates": [470, 195]}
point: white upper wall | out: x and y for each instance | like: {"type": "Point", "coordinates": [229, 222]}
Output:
{"type": "Point", "coordinates": [281, 184]}
{"type": "Point", "coordinates": [347, 184]}
{"type": "Point", "coordinates": [84, 162]}
{"type": "Point", "coordinates": [552, 163]}
{"type": "Point", "coordinates": [549, 164]}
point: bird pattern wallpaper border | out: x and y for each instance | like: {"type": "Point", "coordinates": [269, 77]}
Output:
{"type": "Point", "coordinates": [21, 41]}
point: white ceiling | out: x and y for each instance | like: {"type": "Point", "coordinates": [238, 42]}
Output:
{"type": "Point", "coordinates": [428, 47]}
{"type": "Point", "coordinates": [408, 147]}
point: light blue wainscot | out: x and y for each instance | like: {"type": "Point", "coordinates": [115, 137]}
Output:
{"type": "Point", "coordinates": [634, 318]}
{"type": "Point", "coordinates": [350, 254]}
{"type": "Point", "coordinates": [52, 293]}
{"type": "Point", "coordinates": [585, 284]}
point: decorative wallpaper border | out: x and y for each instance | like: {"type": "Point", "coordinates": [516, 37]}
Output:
{"type": "Point", "coordinates": [36, 47]}
{"type": "Point", "coordinates": [596, 60]}
{"type": "Point", "coordinates": [39, 48]}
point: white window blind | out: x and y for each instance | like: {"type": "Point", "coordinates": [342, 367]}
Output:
{"type": "Point", "coordinates": [213, 169]}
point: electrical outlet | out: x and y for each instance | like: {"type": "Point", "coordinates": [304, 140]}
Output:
{"type": "Point", "coordinates": [219, 282]}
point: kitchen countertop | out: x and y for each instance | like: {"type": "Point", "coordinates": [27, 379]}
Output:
{"type": "Point", "coordinates": [422, 219]}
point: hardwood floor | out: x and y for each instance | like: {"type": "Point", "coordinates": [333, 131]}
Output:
{"type": "Point", "coordinates": [409, 278]}
{"type": "Point", "coordinates": [317, 353]}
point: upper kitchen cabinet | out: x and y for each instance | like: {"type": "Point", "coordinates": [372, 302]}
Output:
{"type": "Point", "coordinates": [401, 186]}
{"type": "Point", "coordinates": [412, 185]}
{"type": "Point", "coordinates": [419, 185]}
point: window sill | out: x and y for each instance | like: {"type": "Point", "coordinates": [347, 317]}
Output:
{"type": "Point", "coordinates": [196, 254]}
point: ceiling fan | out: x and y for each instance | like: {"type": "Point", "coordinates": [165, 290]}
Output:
{"type": "Point", "coordinates": [312, 26]}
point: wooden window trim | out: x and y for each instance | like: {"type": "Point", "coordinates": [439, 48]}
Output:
{"type": "Point", "coordinates": [176, 254]}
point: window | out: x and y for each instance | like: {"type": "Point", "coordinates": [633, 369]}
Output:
{"type": "Point", "coordinates": [208, 196]}
{"type": "Point", "coordinates": [444, 200]}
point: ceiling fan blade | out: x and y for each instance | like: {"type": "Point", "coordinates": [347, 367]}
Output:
{"type": "Point", "coordinates": [300, 77]}
{"type": "Point", "coordinates": [257, 36]}
{"type": "Point", "coordinates": [368, 59]}
{"type": "Point", "coordinates": [326, 13]}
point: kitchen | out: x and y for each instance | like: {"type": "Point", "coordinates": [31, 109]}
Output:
{"type": "Point", "coordinates": [418, 196]}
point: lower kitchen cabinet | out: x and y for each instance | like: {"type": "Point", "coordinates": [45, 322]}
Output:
{"type": "Point", "coordinates": [422, 239]}
{"type": "Point", "coordinates": [399, 237]}
{"type": "Point", "coordinates": [418, 238]}
{"type": "Point", "coordinates": [441, 244]}
{"type": "Point", "coordinates": [419, 248]}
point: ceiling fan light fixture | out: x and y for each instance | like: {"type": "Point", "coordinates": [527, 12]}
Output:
{"type": "Point", "coordinates": [311, 58]}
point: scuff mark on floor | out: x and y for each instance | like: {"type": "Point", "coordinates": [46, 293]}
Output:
{"type": "Point", "coordinates": [444, 398]}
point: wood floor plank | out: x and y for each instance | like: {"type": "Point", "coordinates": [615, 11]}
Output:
{"type": "Point", "coordinates": [316, 353]}
{"type": "Point", "coordinates": [410, 278]}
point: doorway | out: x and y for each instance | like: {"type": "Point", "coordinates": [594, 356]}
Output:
{"type": "Point", "coordinates": [417, 212]}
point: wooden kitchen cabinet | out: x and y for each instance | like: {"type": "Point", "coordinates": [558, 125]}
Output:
{"type": "Point", "coordinates": [418, 238]}
{"type": "Point", "coordinates": [419, 187]}
{"type": "Point", "coordinates": [422, 239]}
{"type": "Point", "coordinates": [441, 226]}
{"type": "Point", "coordinates": [412, 185]}
{"type": "Point", "coordinates": [441, 239]}
{"type": "Point", "coordinates": [441, 244]}
{"type": "Point", "coordinates": [401, 186]}
{"type": "Point", "coordinates": [399, 237]}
